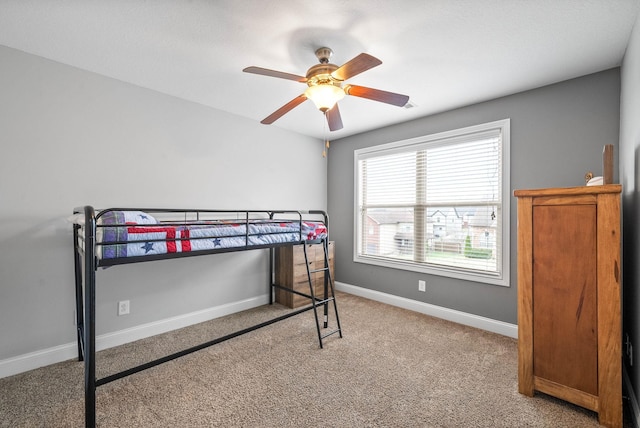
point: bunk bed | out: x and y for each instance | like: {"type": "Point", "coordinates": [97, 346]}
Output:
{"type": "Point", "coordinates": [118, 236]}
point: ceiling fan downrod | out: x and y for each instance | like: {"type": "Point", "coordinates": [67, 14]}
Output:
{"type": "Point", "coordinates": [323, 54]}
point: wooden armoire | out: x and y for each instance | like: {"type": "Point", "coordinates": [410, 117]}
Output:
{"type": "Point", "coordinates": [569, 297]}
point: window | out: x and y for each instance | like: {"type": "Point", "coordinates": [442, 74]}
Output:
{"type": "Point", "coordinates": [437, 204]}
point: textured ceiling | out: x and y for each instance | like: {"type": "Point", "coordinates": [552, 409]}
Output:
{"type": "Point", "coordinates": [442, 53]}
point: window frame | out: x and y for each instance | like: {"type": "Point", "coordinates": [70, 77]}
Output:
{"type": "Point", "coordinates": [432, 140]}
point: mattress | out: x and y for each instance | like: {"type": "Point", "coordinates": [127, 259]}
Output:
{"type": "Point", "coordinates": [121, 234]}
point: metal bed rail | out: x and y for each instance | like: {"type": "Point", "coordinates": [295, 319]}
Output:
{"type": "Point", "coordinates": [193, 218]}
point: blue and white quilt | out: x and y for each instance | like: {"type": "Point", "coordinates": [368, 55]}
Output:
{"type": "Point", "coordinates": [136, 233]}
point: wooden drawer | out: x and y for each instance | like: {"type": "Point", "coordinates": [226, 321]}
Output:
{"type": "Point", "coordinates": [291, 271]}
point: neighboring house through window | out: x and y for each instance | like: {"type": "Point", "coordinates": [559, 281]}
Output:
{"type": "Point", "coordinates": [437, 204]}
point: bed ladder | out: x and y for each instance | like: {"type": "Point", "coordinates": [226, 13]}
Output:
{"type": "Point", "coordinates": [329, 294]}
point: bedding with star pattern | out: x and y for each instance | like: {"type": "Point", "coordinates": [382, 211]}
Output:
{"type": "Point", "coordinates": [121, 234]}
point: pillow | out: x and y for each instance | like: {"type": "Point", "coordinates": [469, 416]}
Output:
{"type": "Point", "coordinates": [127, 217]}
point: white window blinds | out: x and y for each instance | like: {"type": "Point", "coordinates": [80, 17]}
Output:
{"type": "Point", "coordinates": [436, 203]}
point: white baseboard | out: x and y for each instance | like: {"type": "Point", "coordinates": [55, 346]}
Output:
{"type": "Point", "coordinates": [488, 324]}
{"type": "Point", "coordinates": [633, 401]}
{"type": "Point", "coordinates": [56, 354]}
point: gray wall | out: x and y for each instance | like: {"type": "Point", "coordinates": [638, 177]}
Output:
{"type": "Point", "coordinates": [62, 125]}
{"type": "Point", "coordinates": [70, 138]}
{"type": "Point", "coordinates": [557, 135]}
{"type": "Point", "coordinates": [629, 178]}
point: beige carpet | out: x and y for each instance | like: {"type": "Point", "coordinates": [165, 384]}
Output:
{"type": "Point", "coordinates": [393, 368]}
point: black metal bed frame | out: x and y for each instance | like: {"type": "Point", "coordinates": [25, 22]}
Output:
{"type": "Point", "coordinates": [86, 263]}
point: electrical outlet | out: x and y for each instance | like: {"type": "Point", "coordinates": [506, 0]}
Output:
{"type": "Point", "coordinates": [123, 307]}
{"type": "Point", "coordinates": [422, 285]}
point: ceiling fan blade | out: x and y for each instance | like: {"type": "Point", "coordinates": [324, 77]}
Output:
{"type": "Point", "coordinates": [284, 109]}
{"type": "Point", "coordinates": [333, 118]}
{"type": "Point", "coordinates": [377, 95]}
{"type": "Point", "coordinates": [357, 65]}
{"type": "Point", "coordinates": [274, 73]}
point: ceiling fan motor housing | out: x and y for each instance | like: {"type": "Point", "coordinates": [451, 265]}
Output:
{"type": "Point", "coordinates": [320, 74]}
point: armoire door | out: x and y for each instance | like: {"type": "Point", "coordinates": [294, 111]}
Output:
{"type": "Point", "coordinates": [565, 338]}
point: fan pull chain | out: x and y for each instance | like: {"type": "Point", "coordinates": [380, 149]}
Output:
{"type": "Point", "coordinates": [326, 140]}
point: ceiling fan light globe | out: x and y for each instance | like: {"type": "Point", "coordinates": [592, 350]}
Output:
{"type": "Point", "coordinates": [324, 96]}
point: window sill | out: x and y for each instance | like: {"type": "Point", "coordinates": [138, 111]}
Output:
{"type": "Point", "coordinates": [431, 269]}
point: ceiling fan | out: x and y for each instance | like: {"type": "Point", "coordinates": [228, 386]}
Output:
{"type": "Point", "coordinates": [325, 88]}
